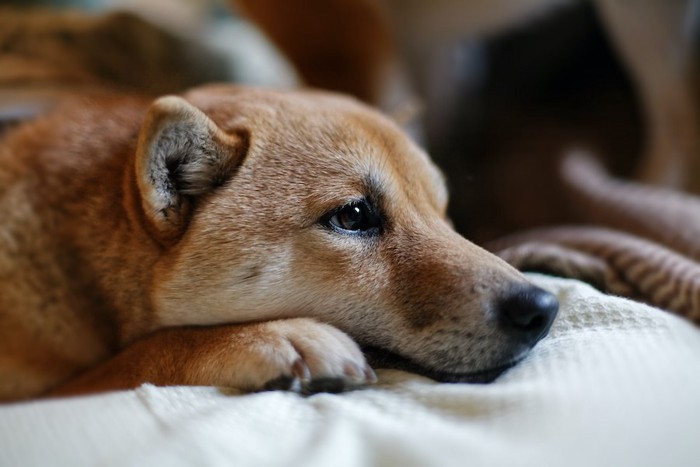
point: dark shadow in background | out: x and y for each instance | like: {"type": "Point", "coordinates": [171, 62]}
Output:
{"type": "Point", "coordinates": [545, 87]}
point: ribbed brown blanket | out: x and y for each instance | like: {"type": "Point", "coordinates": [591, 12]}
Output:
{"type": "Point", "coordinates": [638, 241]}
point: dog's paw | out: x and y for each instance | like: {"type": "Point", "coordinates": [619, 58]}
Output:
{"type": "Point", "coordinates": [300, 355]}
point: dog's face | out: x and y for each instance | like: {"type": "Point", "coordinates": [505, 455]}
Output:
{"type": "Point", "coordinates": [279, 205]}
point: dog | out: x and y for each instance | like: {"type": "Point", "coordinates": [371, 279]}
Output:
{"type": "Point", "coordinates": [240, 237]}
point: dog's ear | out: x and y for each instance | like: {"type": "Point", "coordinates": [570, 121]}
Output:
{"type": "Point", "coordinates": [182, 154]}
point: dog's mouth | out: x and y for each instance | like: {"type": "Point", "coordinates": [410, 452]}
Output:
{"type": "Point", "coordinates": [382, 358]}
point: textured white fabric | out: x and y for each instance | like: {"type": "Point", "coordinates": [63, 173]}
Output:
{"type": "Point", "coordinates": [615, 384]}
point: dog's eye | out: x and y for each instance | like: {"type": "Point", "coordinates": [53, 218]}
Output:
{"type": "Point", "coordinates": [356, 217]}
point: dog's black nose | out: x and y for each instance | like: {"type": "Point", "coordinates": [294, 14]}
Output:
{"type": "Point", "coordinates": [528, 312]}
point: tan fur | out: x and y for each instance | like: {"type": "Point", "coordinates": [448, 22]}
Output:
{"type": "Point", "coordinates": [122, 218]}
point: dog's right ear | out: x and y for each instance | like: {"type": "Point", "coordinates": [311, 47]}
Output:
{"type": "Point", "coordinates": [182, 154]}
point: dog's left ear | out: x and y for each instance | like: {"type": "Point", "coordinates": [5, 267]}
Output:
{"type": "Point", "coordinates": [182, 154]}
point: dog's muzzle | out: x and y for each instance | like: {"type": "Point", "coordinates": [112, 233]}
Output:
{"type": "Point", "coordinates": [525, 314]}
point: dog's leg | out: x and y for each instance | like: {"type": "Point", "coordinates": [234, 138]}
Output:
{"type": "Point", "coordinates": [298, 354]}
{"type": "Point", "coordinates": [653, 38]}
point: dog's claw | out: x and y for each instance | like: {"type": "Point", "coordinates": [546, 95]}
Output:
{"type": "Point", "coordinates": [360, 375]}
{"type": "Point", "coordinates": [353, 371]}
{"type": "Point", "coordinates": [370, 375]}
{"type": "Point", "coordinates": [301, 370]}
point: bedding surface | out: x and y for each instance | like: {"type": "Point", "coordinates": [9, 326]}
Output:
{"type": "Point", "coordinates": [616, 383]}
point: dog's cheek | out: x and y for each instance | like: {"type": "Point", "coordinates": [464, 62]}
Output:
{"type": "Point", "coordinates": [343, 282]}
{"type": "Point", "coordinates": [217, 278]}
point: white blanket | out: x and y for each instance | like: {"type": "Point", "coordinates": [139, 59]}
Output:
{"type": "Point", "coordinates": [615, 384]}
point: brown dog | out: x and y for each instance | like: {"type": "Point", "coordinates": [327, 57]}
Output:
{"type": "Point", "coordinates": [279, 220]}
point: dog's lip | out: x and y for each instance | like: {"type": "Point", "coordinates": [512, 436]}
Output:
{"type": "Point", "coordinates": [381, 358]}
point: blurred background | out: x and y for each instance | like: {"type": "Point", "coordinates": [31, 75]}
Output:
{"type": "Point", "coordinates": [496, 111]}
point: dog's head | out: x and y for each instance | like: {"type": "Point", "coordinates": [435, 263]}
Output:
{"type": "Point", "coordinates": [284, 204]}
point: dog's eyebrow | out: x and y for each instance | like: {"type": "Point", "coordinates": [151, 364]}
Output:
{"type": "Point", "coordinates": [374, 189]}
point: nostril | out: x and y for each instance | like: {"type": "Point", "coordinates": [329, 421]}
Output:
{"type": "Point", "coordinates": [529, 312]}
{"type": "Point", "coordinates": [536, 322]}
